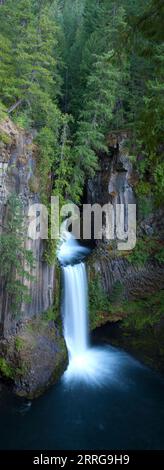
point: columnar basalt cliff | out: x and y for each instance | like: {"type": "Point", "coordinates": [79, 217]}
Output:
{"type": "Point", "coordinates": [17, 176]}
{"type": "Point", "coordinates": [17, 171]}
{"type": "Point", "coordinates": [115, 183]}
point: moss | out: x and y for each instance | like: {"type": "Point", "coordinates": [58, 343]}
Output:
{"type": "Point", "coordinates": [98, 301]}
{"type": "Point", "coordinates": [49, 315]}
{"type": "Point", "coordinates": [3, 112]}
{"type": "Point", "coordinates": [5, 138]}
{"type": "Point", "coordinates": [135, 314]}
{"type": "Point", "coordinates": [35, 358]}
{"type": "Point", "coordinates": [143, 188]}
{"type": "Point", "coordinates": [159, 256]}
{"type": "Point", "coordinates": [52, 314]}
{"type": "Point", "coordinates": [50, 253]}
{"type": "Point", "coordinates": [22, 120]}
{"type": "Point", "coordinates": [6, 369]}
{"type": "Point", "coordinates": [143, 313]}
{"type": "Point", "coordinates": [19, 343]}
{"type": "Point", "coordinates": [40, 324]}
{"type": "Point", "coordinates": [35, 361]}
{"type": "Point", "coordinates": [144, 250]}
{"type": "Point", "coordinates": [117, 293]}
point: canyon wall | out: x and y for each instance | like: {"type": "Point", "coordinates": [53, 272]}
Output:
{"type": "Point", "coordinates": [115, 183]}
{"type": "Point", "coordinates": [17, 176]}
{"type": "Point", "coordinates": [32, 350]}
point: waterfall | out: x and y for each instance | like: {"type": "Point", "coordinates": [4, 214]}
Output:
{"type": "Point", "coordinates": [75, 303]}
{"type": "Point", "coordinates": [75, 309]}
{"type": "Point", "coordinates": [94, 365]}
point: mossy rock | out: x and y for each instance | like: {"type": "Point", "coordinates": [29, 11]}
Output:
{"type": "Point", "coordinates": [5, 138]}
{"type": "Point", "coordinates": [34, 358]}
{"type": "Point", "coordinates": [6, 370]}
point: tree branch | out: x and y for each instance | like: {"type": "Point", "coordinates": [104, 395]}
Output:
{"type": "Point", "coordinates": [14, 106]}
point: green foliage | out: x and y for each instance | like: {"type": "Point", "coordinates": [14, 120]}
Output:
{"type": "Point", "coordinates": [50, 315]}
{"type": "Point", "coordinates": [159, 256]}
{"type": "Point", "coordinates": [94, 81]}
{"type": "Point", "coordinates": [75, 70]}
{"type": "Point", "coordinates": [159, 181]}
{"type": "Point", "coordinates": [98, 302]}
{"type": "Point", "coordinates": [64, 73]}
{"type": "Point", "coordinates": [5, 138]}
{"type": "Point", "coordinates": [23, 120]}
{"type": "Point", "coordinates": [29, 79]}
{"type": "Point", "coordinates": [14, 256]}
{"type": "Point", "coordinates": [3, 113]}
{"type": "Point", "coordinates": [143, 313]}
{"type": "Point", "coordinates": [147, 85]}
{"type": "Point", "coordinates": [19, 343]}
{"type": "Point", "coordinates": [117, 293]}
{"type": "Point", "coordinates": [28, 36]}
{"type": "Point", "coordinates": [135, 314]}
{"type": "Point", "coordinates": [5, 368]}
{"type": "Point", "coordinates": [145, 206]}
{"type": "Point", "coordinates": [141, 253]}
{"type": "Point", "coordinates": [143, 188]}
{"type": "Point", "coordinates": [107, 87]}
{"type": "Point", "coordinates": [97, 113]}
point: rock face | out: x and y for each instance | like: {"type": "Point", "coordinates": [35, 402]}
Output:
{"type": "Point", "coordinates": [114, 183]}
{"type": "Point", "coordinates": [32, 351]}
{"type": "Point", "coordinates": [17, 175]}
{"type": "Point", "coordinates": [136, 281]}
{"type": "Point", "coordinates": [34, 358]}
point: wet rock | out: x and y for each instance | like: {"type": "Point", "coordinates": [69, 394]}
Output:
{"type": "Point", "coordinates": [36, 357]}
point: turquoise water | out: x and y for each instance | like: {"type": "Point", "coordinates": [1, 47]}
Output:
{"type": "Point", "coordinates": [126, 413]}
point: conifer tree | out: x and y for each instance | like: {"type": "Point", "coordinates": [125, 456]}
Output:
{"type": "Point", "coordinates": [13, 258]}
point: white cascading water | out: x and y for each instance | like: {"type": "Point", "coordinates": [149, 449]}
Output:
{"type": "Point", "coordinates": [75, 309]}
{"type": "Point", "coordinates": [94, 365]}
{"type": "Point", "coordinates": [75, 303]}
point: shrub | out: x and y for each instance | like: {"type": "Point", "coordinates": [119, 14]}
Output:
{"type": "Point", "coordinates": [19, 343]}
{"type": "Point", "coordinates": [5, 368]}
